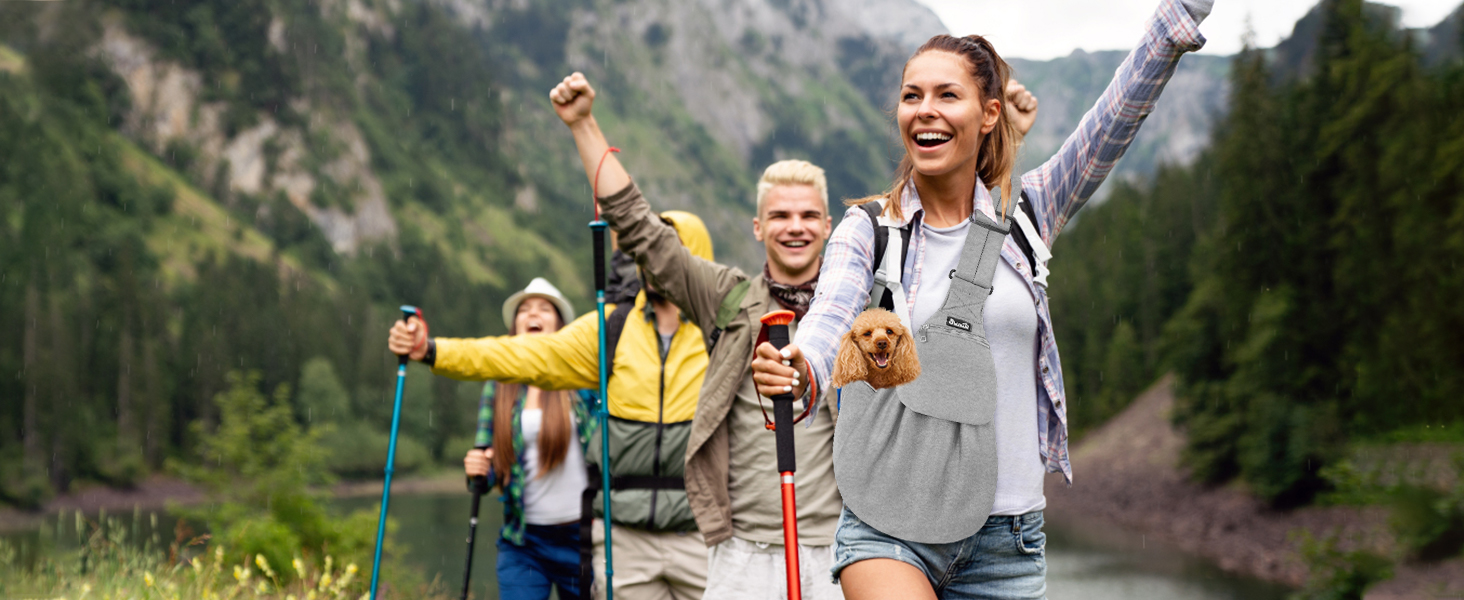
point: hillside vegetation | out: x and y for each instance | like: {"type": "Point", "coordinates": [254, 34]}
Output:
{"type": "Point", "coordinates": [192, 189]}
{"type": "Point", "coordinates": [1300, 277]}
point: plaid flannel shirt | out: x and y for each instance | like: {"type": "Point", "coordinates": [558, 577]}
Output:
{"type": "Point", "coordinates": [513, 490]}
{"type": "Point", "coordinates": [1057, 189]}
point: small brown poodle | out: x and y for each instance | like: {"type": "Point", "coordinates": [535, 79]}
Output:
{"type": "Point", "coordinates": [878, 350]}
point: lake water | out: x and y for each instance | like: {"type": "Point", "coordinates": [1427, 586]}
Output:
{"type": "Point", "coordinates": [1085, 561]}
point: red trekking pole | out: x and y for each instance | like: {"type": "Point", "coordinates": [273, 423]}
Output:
{"type": "Point", "coordinates": [777, 324]}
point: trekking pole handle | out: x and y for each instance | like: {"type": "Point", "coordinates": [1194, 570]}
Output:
{"type": "Point", "coordinates": [597, 229]}
{"type": "Point", "coordinates": [408, 312]}
{"type": "Point", "coordinates": [478, 484]}
{"type": "Point", "coordinates": [777, 324]}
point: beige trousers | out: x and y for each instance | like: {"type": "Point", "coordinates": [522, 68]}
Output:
{"type": "Point", "coordinates": [652, 566]}
{"type": "Point", "coordinates": [744, 570]}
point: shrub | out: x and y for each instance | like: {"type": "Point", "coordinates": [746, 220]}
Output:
{"type": "Point", "coordinates": [357, 450]}
{"type": "Point", "coordinates": [1336, 574]}
{"type": "Point", "coordinates": [264, 471]}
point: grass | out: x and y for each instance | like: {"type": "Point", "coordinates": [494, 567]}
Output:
{"type": "Point", "coordinates": [110, 566]}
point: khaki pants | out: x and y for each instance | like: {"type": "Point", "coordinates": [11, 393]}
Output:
{"type": "Point", "coordinates": [743, 570]}
{"type": "Point", "coordinates": [652, 566]}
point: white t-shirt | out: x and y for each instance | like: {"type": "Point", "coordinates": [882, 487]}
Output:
{"type": "Point", "coordinates": [554, 498]}
{"type": "Point", "coordinates": [1010, 316]}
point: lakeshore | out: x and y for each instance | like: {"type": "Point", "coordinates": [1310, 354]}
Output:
{"type": "Point", "coordinates": [1126, 474]}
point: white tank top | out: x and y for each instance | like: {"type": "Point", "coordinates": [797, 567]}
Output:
{"type": "Point", "coordinates": [555, 497]}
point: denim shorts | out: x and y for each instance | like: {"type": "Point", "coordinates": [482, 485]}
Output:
{"type": "Point", "coordinates": [1005, 560]}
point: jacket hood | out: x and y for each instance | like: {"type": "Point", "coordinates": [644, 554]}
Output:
{"type": "Point", "coordinates": [692, 231]}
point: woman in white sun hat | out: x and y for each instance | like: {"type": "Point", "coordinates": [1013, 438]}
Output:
{"type": "Point", "coordinates": [536, 454]}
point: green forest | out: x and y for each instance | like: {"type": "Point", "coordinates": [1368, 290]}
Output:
{"type": "Point", "coordinates": [138, 274]}
{"type": "Point", "coordinates": [129, 294]}
{"type": "Point", "coordinates": [1301, 278]}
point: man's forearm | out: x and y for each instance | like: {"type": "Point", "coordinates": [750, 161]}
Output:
{"type": "Point", "coordinates": [592, 149]}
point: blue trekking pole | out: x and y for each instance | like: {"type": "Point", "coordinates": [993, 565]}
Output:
{"type": "Point", "coordinates": [597, 228]}
{"type": "Point", "coordinates": [408, 312]}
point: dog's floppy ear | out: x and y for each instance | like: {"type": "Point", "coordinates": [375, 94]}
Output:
{"type": "Point", "coordinates": [850, 365]}
{"type": "Point", "coordinates": [904, 362]}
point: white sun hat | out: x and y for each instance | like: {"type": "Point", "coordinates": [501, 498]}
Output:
{"type": "Point", "coordinates": [538, 288]}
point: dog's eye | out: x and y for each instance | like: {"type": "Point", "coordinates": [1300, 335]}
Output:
{"type": "Point", "coordinates": [889, 331]}
{"type": "Point", "coordinates": [868, 333]}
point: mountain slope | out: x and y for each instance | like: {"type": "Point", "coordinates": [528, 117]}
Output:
{"type": "Point", "coordinates": [1175, 133]}
{"type": "Point", "coordinates": [199, 188]}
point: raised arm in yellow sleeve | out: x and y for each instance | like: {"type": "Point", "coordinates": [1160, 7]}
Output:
{"type": "Point", "coordinates": [567, 359]}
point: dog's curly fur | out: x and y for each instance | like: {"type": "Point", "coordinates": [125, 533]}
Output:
{"type": "Point", "coordinates": [876, 331]}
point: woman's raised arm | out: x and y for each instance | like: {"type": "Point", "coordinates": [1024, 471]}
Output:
{"type": "Point", "coordinates": [1061, 186]}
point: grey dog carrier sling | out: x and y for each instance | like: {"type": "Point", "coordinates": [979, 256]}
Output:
{"type": "Point", "coordinates": [918, 461]}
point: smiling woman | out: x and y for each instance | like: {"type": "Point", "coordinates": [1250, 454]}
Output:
{"type": "Point", "coordinates": [942, 477]}
{"type": "Point", "coordinates": [952, 123]}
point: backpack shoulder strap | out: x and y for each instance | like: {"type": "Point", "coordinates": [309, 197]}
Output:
{"type": "Point", "coordinates": [731, 305]}
{"type": "Point", "coordinates": [614, 324]}
{"type": "Point", "coordinates": [881, 235]}
{"type": "Point", "coordinates": [880, 295]}
{"type": "Point", "coordinates": [1029, 239]}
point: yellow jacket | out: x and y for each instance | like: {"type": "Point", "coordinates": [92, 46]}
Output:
{"type": "Point", "coordinates": [568, 359]}
{"type": "Point", "coordinates": [652, 402]}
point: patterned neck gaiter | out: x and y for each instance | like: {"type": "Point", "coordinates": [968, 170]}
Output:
{"type": "Point", "coordinates": [792, 297]}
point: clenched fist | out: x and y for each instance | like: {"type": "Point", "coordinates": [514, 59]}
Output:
{"type": "Point", "coordinates": [477, 461]}
{"type": "Point", "coordinates": [1021, 106]}
{"type": "Point", "coordinates": [573, 98]}
{"type": "Point", "coordinates": [408, 338]}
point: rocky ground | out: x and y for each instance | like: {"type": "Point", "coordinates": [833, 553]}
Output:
{"type": "Point", "coordinates": [1126, 474]}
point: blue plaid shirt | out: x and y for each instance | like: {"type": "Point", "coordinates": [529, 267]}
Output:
{"type": "Point", "coordinates": [1057, 189]}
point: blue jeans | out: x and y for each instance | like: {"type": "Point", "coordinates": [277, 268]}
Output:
{"type": "Point", "coordinates": [1005, 560]}
{"type": "Point", "coordinates": [549, 556]}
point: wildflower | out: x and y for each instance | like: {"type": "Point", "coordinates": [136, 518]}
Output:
{"type": "Point", "coordinates": [346, 580]}
{"type": "Point", "coordinates": [148, 577]}
{"type": "Point", "coordinates": [242, 575]}
{"type": "Point", "coordinates": [299, 567]}
{"type": "Point", "coordinates": [262, 588]}
{"type": "Point", "coordinates": [196, 564]}
{"type": "Point", "coordinates": [263, 566]}
{"type": "Point", "coordinates": [325, 581]}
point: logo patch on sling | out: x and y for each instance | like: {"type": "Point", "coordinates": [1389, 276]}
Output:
{"type": "Point", "coordinates": [958, 324]}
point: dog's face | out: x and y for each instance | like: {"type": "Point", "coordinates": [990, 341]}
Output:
{"type": "Point", "coordinates": [878, 339]}
{"type": "Point", "coordinates": [877, 350]}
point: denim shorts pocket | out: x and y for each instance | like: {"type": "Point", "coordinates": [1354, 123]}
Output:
{"type": "Point", "coordinates": [1031, 540]}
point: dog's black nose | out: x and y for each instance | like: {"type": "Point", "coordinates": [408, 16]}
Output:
{"type": "Point", "coordinates": [882, 344]}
